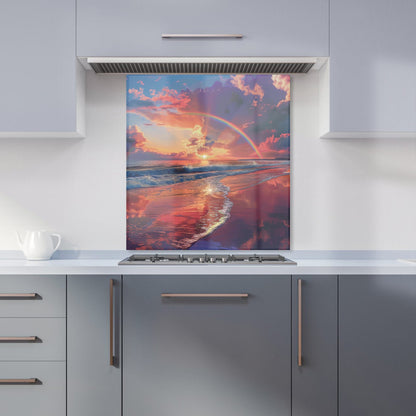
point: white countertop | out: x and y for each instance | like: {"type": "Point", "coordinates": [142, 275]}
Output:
{"type": "Point", "coordinates": [304, 266]}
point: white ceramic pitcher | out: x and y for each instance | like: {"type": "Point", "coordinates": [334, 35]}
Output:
{"type": "Point", "coordinates": [38, 245]}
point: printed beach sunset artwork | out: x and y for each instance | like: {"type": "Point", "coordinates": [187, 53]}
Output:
{"type": "Point", "coordinates": [208, 162]}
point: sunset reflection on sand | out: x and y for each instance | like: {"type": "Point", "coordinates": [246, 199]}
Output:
{"type": "Point", "coordinates": [237, 210]}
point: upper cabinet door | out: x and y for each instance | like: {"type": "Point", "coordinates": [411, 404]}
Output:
{"type": "Point", "coordinates": [269, 27]}
{"type": "Point", "coordinates": [39, 69]}
{"type": "Point", "coordinates": [373, 67]}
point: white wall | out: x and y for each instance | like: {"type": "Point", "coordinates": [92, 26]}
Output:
{"type": "Point", "coordinates": [346, 194]}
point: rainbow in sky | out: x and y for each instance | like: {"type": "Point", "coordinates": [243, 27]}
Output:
{"type": "Point", "coordinates": [231, 125]}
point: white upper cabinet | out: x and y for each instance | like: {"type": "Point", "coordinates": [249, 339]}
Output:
{"type": "Point", "coordinates": [372, 68]}
{"type": "Point", "coordinates": [39, 70]}
{"type": "Point", "coordinates": [269, 27]}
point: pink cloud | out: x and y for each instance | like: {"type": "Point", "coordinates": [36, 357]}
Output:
{"type": "Point", "coordinates": [138, 93]}
{"type": "Point", "coordinates": [282, 82]}
{"type": "Point", "coordinates": [136, 135]}
{"type": "Point", "coordinates": [275, 146]}
{"type": "Point", "coordinates": [171, 98]}
{"type": "Point", "coordinates": [166, 98]}
{"type": "Point", "coordinates": [247, 124]}
{"type": "Point", "coordinates": [238, 82]}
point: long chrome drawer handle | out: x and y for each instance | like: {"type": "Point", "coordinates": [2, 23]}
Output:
{"type": "Point", "coordinates": [19, 339]}
{"type": "Point", "coordinates": [9, 296]}
{"type": "Point", "coordinates": [205, 295]}
{"type": "Point", "coordinates": [201, 36]}
{"type": "Point", "coordinates": [20, 381]}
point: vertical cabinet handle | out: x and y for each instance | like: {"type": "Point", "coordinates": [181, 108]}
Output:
{"type": "Point", "coordinates": [112, 358]}
{"type": "Point", "coordinates": [299, 322]}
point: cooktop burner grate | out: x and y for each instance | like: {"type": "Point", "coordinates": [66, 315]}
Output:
{"type": "Point", "coordinates": [148, 259]}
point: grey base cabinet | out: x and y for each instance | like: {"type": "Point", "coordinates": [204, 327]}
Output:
{"type": "Point", "coordinates": [314, 381]}
{"type": "Point", "coordinates": [238, 345]}
{"type": "Point", "coordinates": [202, 355]}
{"type": "Point", "coordinates": [93, 384]}
{"type": "Point", "coordinates": [377, 345]}
{"type": "Point", "coordinates": [32, 345]}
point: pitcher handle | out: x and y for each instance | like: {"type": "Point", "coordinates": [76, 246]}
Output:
{"type": "Point", "coordinates": [19, 239]}
{"type": "Point", "coordinates": [58, 243]}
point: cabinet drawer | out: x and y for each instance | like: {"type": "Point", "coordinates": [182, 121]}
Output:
{"type": "Point", "coordinates": [32, 339]}
{"type": "Point", "coordinates": [32, 296]}
{"type": "Point", "coordinates": [45, 397]}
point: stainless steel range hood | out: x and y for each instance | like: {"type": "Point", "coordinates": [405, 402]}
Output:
{"type": "Point", "coordinates": [203, 65]}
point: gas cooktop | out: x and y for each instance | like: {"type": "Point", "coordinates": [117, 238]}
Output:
{"type": "Point", "coordinates": [147, 259]}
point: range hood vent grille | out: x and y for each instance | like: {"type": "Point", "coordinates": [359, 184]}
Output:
{"type": "Point", "coordinates": [203, 67]}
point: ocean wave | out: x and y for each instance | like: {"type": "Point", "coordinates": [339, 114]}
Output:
{"type": "Point", "coordinates": [183, 169]}
{"type": "Point", "coordinates": [145, 177]}
{"type": "Point", "coordinates": [214, 218]}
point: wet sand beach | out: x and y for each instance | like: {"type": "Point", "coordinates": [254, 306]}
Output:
{"type": "Point", "coordinates": [227, 209]}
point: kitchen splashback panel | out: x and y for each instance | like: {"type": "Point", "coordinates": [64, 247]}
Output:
{"type": "Point", "coordinates": [208, 162]}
